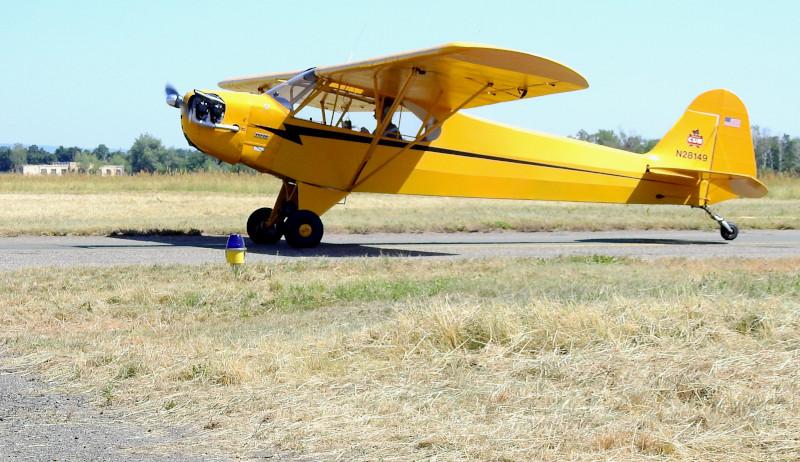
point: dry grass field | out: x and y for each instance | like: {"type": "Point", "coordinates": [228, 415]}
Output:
{"type": "Point", "coordinates": [220, 204]}
{"type": "Point", "coordinates": [584, 359]}
{"type": "Point", "coordinates": [400, 359]}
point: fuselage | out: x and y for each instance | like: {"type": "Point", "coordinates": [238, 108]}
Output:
{"type": "Point", "coordinates": [470, 158]}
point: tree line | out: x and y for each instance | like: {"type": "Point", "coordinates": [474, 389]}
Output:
{"type": "Point", "coordinates": [773, 153]}
{"type": "Point", "coordinates": [147, 154]}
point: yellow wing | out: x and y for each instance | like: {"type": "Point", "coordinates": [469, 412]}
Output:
{"type": "Point", "coordinates": [257, 84]}
{"type": "Point", "coordinates": [446, 76]}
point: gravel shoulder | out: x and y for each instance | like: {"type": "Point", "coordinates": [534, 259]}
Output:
{"type": "Point", "coordinates": [38, 423]}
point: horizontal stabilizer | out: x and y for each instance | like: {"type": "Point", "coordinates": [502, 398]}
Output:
{"type": "Point", "coordinates": [740, 185]}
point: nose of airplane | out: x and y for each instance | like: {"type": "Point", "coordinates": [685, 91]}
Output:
{"type": "Point", "coordinates": [208, 110]}
{"type": "Point", "coordinates": [215, 122]}
{"type": "Point", "coordinates": [204, 108]}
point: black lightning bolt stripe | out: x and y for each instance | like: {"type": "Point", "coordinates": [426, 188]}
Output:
{"type": "Point", "coordinates": [294, 132]}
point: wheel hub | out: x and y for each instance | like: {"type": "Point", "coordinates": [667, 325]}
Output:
{"type": "Point", "coordinates": [305, 230]}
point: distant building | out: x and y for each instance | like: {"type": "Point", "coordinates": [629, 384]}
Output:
{"type": "Point", "coordinates": [111, 170]}
{"type": "Point", "coordinates": [63, 168]}
{"type": "Point", "coordinates": [58, 168]}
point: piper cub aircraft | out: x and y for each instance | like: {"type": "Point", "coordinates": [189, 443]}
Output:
{"type": "Point", "coordinates": [299, 126]}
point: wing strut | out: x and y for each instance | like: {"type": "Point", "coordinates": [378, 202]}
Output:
{"type": "Point", "coordinates": [357, 182]}
{"type": "Point", "coordinates": [321, 86]}
{"type": "Point", "coordinates": [383, 122]}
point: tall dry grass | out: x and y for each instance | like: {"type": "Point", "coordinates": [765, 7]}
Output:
{"type": "Point", "coordinates": [385, 359]}
{"type": "Point", "coordinates": [221, 203]}
{"type": "Point", "coordinates": [782, 185]}
{"type": "Point", "coordinates": [243, 183]}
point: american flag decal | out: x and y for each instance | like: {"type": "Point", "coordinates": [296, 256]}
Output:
{"type": "Point", "coordinates": [732, 122]}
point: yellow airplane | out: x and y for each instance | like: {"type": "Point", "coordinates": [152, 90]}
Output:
{"type": "Point", "coordinates": [303, 127]}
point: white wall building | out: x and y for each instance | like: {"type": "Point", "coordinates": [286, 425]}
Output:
{"type": "Point", "coordinates": [111, 170]}
{"type": "Point", "coordinates": [63, 168]}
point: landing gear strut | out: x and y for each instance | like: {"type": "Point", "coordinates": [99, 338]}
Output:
{"type": "Point", "coordinates": [727, 229]}
{"type": "Point", "coordinates": [301, 228]}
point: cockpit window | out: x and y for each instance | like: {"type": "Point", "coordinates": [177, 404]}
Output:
{"type": "Point", "coordinates": [339, 105]}
{"type": "Point", "coordinates": [293, 91]}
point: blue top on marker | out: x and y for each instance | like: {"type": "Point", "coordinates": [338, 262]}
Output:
{"type": "Point", "coordinates": [235, 242]}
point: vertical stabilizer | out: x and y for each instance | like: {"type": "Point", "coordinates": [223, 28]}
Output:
{"type": "Point", "coordinates": [712, 142]}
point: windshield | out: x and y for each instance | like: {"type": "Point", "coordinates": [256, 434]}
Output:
{"type": "Point", "coordinates": [292, 92]}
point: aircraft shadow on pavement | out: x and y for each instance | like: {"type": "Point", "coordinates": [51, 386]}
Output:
{"type": "Point", "coordinates": [634, 241]}
{"type": "Point", "coordinates": [282, 249]}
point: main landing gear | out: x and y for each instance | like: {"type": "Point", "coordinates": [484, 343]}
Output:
{"type": "Point", "coordinates": [301, 228]}
{"type": "Point", "coordinates": [727, 229]}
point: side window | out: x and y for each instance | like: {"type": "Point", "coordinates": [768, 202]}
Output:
{"type": "Point", "coordinates": [348, 108]}
{"type": "Point", "coordinates": [358, 114]}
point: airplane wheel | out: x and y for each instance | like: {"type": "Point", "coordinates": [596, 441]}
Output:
{"type": "Point", "coordinates": [303, 229]}
{"type": "Point", "coordinates": [258, 231]}
{"type": "Point", "coordinates": [728, 235]}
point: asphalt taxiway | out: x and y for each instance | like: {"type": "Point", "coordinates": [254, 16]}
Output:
{"type": "Point", "coordinates": [40, 251]}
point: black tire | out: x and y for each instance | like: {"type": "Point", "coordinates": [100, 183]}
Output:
{"type": "Point", "coordinates": [728, 235]}
{"type": "Point", "coordinates": [303, 229]}
{"type": "Point", "coordinates": [258, 231]}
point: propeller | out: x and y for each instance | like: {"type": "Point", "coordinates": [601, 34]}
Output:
{"type": "Point", "coordinates": [208, 109]}
{"type": "Point", "coordinates": [174, 98]}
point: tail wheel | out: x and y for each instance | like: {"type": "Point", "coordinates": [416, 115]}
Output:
{"type": "Point", "coordinates": [303, 229]}
{"type": "Point", "coordinates": [258, 230]}
{"type": "Point", "coordinates": [727, 229]}
{"type": "Point", "coordinates": [729, 235]}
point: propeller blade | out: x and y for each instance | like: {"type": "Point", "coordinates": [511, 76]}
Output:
{"type": "Point", "coordinates": [174, 98]}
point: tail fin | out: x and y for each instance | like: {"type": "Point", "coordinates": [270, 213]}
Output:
{"type": "Point", "coordinates": [712, 142]}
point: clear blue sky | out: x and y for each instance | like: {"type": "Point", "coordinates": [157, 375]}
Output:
{"type": "Point", "coordinates": [82, 73]}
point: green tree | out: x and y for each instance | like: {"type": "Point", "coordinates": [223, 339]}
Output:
{"type": "Point", "coordinates": [5, 159]}
{"type": "Point", "coordinates": [632, 143]}
{"type": "Point", "coordinates": [790, 149]}
{"type": "Point", "coordinates": [87, 162]}
{"type": "Point", "coordinates": [173, 160]}
{"type": "Point", "coordinates": [196, 161]}
{"type": "Point", "coordinates": [608, 138]}
{"type": "Point", "coordinates": [66, 154]}
{"type": "Point", "coordinates": [775, 153]}
{"type": "Point", "coordinates": [635, 143]}
{"type": "Point", "coordinates": [37, 155]}
{"type": "Point", "coordinates": [583, 135]}
{"type": "Point", "coordinates": [767, 149]}
{"type": "Point", "coordinates": [146, 154]}
{"type": "Point", "coordinates": [101, 152]}
{"type": "Point", "coordinates": [19, 156]}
